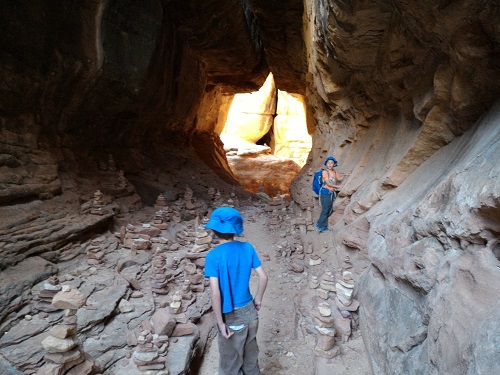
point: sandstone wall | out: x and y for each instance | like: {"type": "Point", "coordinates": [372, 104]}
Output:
{"type": "Point", "coordinates": [397, 90]}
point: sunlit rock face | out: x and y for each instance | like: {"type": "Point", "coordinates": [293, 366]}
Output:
{"type": "Point", "coordinates": [397, 91]}
{"type": "Point", "coordinates": [277, 121]}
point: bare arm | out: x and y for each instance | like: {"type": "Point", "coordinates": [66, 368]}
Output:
{"type": "Point", "coordinates": [261, 287]}
{"type": "Point", "coordinates": [330, 182]}
{"type": "Point", "coordinates": [216, 306]}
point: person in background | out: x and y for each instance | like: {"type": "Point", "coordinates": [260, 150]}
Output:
{"type": "Point", "coordinates": [228, 267]}
{"type": "Point", "coordinates": [328, 192]}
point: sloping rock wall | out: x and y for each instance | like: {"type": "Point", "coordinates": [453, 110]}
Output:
{"type": "Point", "coordinates": [397, 90]}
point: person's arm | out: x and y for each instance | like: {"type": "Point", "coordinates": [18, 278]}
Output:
{"type": "Point", "coordinates": [330, 182]}
{"type": "Point", "coordinates": [261, 288]}
{"type": "Point", "coordinates": [217, 307]}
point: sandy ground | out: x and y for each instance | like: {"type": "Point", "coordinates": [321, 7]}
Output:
{"type": "Point", "coordinates": [285, 339]}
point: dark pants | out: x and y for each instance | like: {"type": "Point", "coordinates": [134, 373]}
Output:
{"type": "Point", "coordinates": [239, 355]}
{"type": "Point", "coordinates": [326, 202]}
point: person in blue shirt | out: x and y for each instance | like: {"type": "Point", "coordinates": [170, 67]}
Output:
{"type": "Point", "coordinates": [228, 267]}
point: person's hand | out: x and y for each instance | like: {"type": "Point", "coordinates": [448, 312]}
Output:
{"type": "Point", "coordinates": [225, 331]}
{"type": "Point", "coordinates": [257, 305]}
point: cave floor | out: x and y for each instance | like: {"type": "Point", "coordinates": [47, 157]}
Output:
{"type": "Point", "coordinates": [287, 333]}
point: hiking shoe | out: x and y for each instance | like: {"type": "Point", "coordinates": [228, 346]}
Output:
{"type": "Point", "coordinates": [322, 229]}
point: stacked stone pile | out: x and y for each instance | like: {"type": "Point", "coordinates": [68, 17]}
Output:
{"type": "Point", "coordinates": [95, 252]}
{"type": "Point", "coordinates": [64, 354]}
{"type": "Point", "coordinates": [159, 276]}
{"type": "Point", "coordinates": [97, 204]}
{"type": "Point", "coordinates": [134, 238]}
{"type": "Point", "coordinates": [43, 297]}
{"type": "Point", "coordinates": [176, 303]}
{"type": "Point", "coordinates": [324, 322]}
{"type": "Point", "coordinates": [147, 356]}
{"type": "Point", "coordinates": [159, 220]}
{"type": "Point", "coordinates": [327, 282]}
{"type": "Point", "coordinates": [186, 236]}
{"type": "Point", "coordinates": [274, 222]}
{"type": "Point", "coordinates": [202, 241]}
{"type": "Point", "coordinates": [218, 200]}
{"type": "Point", "coordinates": [301, 223]}
{"type": "Point", "coordinates": [196, 282]}
{"type": "Point", "coordinates": [161, 203]}
{"type": "Point", "coordinates": [345, 287]}
{"type": "Point", "coordinates": [235, 200]}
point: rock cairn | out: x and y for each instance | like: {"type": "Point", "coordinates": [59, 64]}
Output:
{"type": "Point", "coordinates": [147, 356]}
{"type": "Point", "coordinates": [218, 200]}
{"type": "Point", "coordinates": [96, 207]}
{"type": "Point", "coordinates": [64, 354]}
{"type": "Point", "coordinates": [176, 303]}
{"type": "Point", "coordinates": [160, 219]}
{"type": "Point", "coordinates": [186, 236]}
{"type": "Point", "coordinates": [211, 193]}
{"type": "Point", "coordinates": [95, 252]}
{"type": "Point", "coordinates": [161, 202]}
{"type": "Point", "coordinates": [43, 297]}
{"type": "Point", "coordinates": [134, 239]}
{"type": "Point", "coordinates": [159, 276]}
{"type": "Point", "coordinates": [202, 241]}
{"type": "Point", "coordinates": [122, 181]}
{"type": "Point", "coordinates": [345, 287]}
{"type": "Point", "coordinates": [327, 281]}
{"type": "Point", "coordinates": [235, 200]}
{"type": "Point", "coordinates": [324, 321]}
{"type": "Point", "coordinates": [111, 163]}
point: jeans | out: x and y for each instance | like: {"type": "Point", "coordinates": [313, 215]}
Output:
{"type": "Point", "coordinates": [239, 355]}
{"type": "Point", "coordinates": [326, 202]}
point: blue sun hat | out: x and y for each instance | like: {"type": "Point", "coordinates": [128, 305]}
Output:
{"type": "Point", "coordinates": [335, 162]}
{"type": "Point", "coordinates": [226, 220]}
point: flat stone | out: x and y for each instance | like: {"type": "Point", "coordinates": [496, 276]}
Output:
{"type": "Point", "coordinates": [325, 309]}
{"type": "Point", "coordinates": [335, 351]}
{"type": "Point", "coordinates": [163, 323]}
{"type": "Point", "coordinates": [328, 286]}
{"type": "Point", "coordinates": [61, 358]}
{"type": "Point", "coordinates": [352, 307]}
{"type": "Point", "coordinates": [314, 262]}
{"type": "Point", "coordinates": [55, 345]}
{"type": "Point", "coordinates": [72, 299]}
{"type": "Point", "coordinates": [145, 356]}
{"type": "Point", "coordinates": [347, 292]}
{"type": "Point", "coordinates": [325, 342]}
{"type": "Point", "coordinates": [346, 284]}
{"type": "Point", "coordinates": [63, 331]}
{"type": "Point", "coordinates": [345, 301]}
{"type": "Point", "coordinates": [183, 329]}
{"type": "Point", "coordinates": [322, 293]}
{"type": "Point", "coordinates": [326, 331]}
{"type": "Point", "coordinates": [125, 306]}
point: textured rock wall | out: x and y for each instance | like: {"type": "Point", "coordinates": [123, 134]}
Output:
{"type": "Point", "coordinates": [397, 90]}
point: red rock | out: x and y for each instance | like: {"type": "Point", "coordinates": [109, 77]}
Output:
{"type": "Point", "coordinates": [163, 323]}
{"type": "Point", "coordinates": [72, 299]}
{"type": "Point", "coordinates": [62, 358]}
{"type": "Point", "coordinates": [318, 352]}
{"type": "Point", "coordinates": [63, 331]}
{"type": "Point", "coordinates": [183, 329]}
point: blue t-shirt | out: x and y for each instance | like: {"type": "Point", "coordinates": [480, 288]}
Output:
{"type": "Point", "coordinates": [232, 264]}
